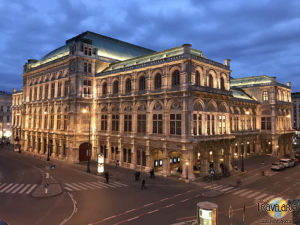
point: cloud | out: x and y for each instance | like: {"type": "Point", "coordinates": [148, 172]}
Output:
{"type": "Point", "coordinates": [259, 36]}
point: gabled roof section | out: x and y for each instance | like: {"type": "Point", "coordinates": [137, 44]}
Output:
{"type": "Point", "coordinates": [107, 47]}
{"type": "Point", "coordinates": [239, 94]}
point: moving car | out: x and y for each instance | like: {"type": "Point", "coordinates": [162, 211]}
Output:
{"type": "Point", "coordinates": [287, 162]}
{"type": "Point", "coordinates": [277, 166]}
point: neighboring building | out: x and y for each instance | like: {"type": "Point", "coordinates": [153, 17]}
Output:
{"type": "Point", "coordinates": [296, 111]}
{"type": "Point", "coordinates": [5, 115]}
{"type": "Point", "coordinates": [146, 109]}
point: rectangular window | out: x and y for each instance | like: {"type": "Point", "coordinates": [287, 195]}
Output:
{"type": "Point", "coordinates": [266, 123]}
{"type": "Point", "coordinates": [265, 96]}
{"type": "Point", "coordinates": [175, 124]}
{"type": "Point", "coordinates": [51, 122]}
{"type": "Point", "coordinates": [124, 154]}
{"type": "Point", "coordinates": [41, 92]}
{"type": "Point", "coordinates": [157, 123]}
{"type": "Point", "coordinates": [67, 88]}
{"type": "Point", "coordinates": [254, 123]}
{"type": "Point", "coordinates": [90, 51]}
{"type": "Point", "coordinates": [213, 124]}
{"type": "Point", "coordinates": [144, 158]}
{"type": "Point", "coordinates": [224, 124]}
{"type": "Point", "coordinates": [45, 122]}
{"type": "Point", "coordinates": [35, 93]}
{"type": "Point", "coordinates": [59, 89]}
{"type": "Point", "coordinates": [103, 122]}
{"type": "Point", "coordinates": [89, 67]}
{"type": "Point", "coordinates": [127, 123]}
{"type": "Point", "coordinates": [85, 67]}
{"type": "Point", "coordinates": [46, 91]}
{"type": "Point", "coordinates": [138, 157]}
{"type": "Point", "coordinates": [52, 90]}
{"type": "Point", "coordinates": [129, 156]}
{"type": "Point", "coordinates": [115, 123]}
{"type": "Point", "coordinates": [208, 124]}
{"type": "Point", "coordinates": [66, 118]}
{"type": "Point", "coordinates": [58, 124]}
{"type": "Point", "coordinates": [141, 123]}
{"type": "Point", "coordinates": [40, 121]}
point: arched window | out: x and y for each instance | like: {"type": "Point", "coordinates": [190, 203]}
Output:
{"type": "Point", "coordinates": [222, 83]}
{"type": "Point", "coordinates": [197, 79]}
{"type": "Point", "coordinates": [104, 88]}
{"type": "Point", "coordinates": [128, 85]}
{"type": "Point", "coordinates": [157, 81]}
{"type": "Point", "coordinates": [175, 78]}
{"type": "Point", "coordinates": [210, 81]}
{"type": "Point", "coordinates": [142, 83]}
{"type": "Point", "coordinates": [116, 87]}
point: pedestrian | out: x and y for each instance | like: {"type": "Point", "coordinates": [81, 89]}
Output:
{"type": "Point", "coordinates": [152, 173]}
{"type": "Point", "coordinates": [117, 163]}
{"type": "Point", "coordinates": [143, 184]}
{"type": "Point", "coordinates": [137, 175]}
{"type": "Point", "coordinates": [106, 174]}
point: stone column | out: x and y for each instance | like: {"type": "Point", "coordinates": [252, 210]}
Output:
{"type": "Point", "coordinates": [227, 158]}
{"type": "Point", "coordinates": [54, 147]}
{"type": "Point", "coordinates": [204, 162]}
{"type": "Point", "coordinates": [275, 152]}
{"type": "Point", "coordinates": [166, 161]}
{"type": "Point", "coordinates": [133, 155]}
{"type": "Point", "coordinates": [120, 155]}
{"type": "Point", "coordinates": [109, 154]}
{"type": "Point", "coordinates": [149, 159]}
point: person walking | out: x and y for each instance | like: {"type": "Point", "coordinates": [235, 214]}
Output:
{"type": "Point", "coordinates": [143, 184]}
{"type": "Point", "coordinates": [106, 177]}
{"type": "Point", "coordinates": [152, 173]}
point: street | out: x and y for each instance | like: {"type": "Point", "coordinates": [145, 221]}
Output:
{"type": "Point", "coordinates": [88, 199]}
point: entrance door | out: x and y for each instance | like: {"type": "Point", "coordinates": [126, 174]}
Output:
{"type": "Point", "coordinates": [83, 151]}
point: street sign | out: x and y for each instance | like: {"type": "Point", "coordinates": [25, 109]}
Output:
{"type": "Point", "coordinates": [212, 172]}
{"type": "Point", "coordinates": [52, 167]}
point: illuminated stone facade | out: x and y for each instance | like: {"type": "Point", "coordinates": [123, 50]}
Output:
{"type": "Point", "coordinates": [147, 109]}
{"type": "Point", "coordinates": [296, 110]}
{"type": "Point", "coordinates": [5, 115]}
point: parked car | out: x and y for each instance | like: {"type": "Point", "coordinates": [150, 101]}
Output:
{"type": "Point", "coordinates": [296, 160]}
{"type": "Point", "coordinates": [277, 166]}
{"type": "Point", "coordinates": [287, 162]}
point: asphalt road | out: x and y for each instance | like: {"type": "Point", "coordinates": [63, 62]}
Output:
{"type": "Point", "coordinates": [87, 199]}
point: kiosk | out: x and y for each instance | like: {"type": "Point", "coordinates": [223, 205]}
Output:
{"type": "Point", "coordinates": [100, 166]}
{"type": "Point", "coordinates": [207, 213]}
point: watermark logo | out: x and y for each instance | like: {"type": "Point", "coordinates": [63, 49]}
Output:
{"type": "Point", "coordinates": [277, 208]}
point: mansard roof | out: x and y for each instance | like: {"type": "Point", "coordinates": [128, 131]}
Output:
{"type": "Point", "coordinates": [251, 81]}
{"type": "Point", "coordinates": [239, 94]}
{"type": "Point", "coordinates": [107, 47]}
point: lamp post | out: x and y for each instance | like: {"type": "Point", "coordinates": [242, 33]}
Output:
{"type": "Point", "coordinates": [187, 170]}
{"type": "Point", "coordinates": [243, 128]}
{"type": "Point", "coordinates": [88, 170]}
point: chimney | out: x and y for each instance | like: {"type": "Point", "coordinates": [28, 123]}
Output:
{"type": "Point", "coordinates": [227, 62]}
{"type": "Point", "coordinates": [288, 84]}
{"type": "Point", "coordinates": [186, 48]}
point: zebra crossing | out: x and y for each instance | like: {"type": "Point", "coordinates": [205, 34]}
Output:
{"type": "Point", "coordinates": [13, 188]}
{"type": "Point", "coordinates": [85, 186]}
{"type": "Point", "coordinates": [256, 195]}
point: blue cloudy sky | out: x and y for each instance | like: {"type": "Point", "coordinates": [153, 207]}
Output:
{"type": "Point", "coordinates": [259, 36]}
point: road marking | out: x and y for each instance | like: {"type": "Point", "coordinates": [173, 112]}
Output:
{"type": "Point", "coordinates": [115, 184]}
{"type": "Point", "coordinates": [240, 191]}
{"type": "Point", "coordinates": [9, 190]}
{"type": "Point", "coordinates": [79, 186]}
{"type": "Point", "coordinates": [218, 187]}
{"type": "Point", "coordinates": [152, 211]}
{"type": "Point", "coordinates": [109, 185]}
{"type": "Point", "coordinates": [99, 184]}
{"type": "Point", "coordinates": [245, 193]}
{"type": "Point", "coordinates": [177, 195]}
{"type": "Point", "coordinates": [24, 188]}
{"type": "Point", "coordinates": [133, 218]}
{"type": "Point", "coordinates": [18, 188]}
{"type": "Point", "coordinates": [268, 198]}
{"type": "Point", "coordinates": [148, 204]}
{"type": "Point", "coordinates": [128, 211]}
{"type": "Point", "coordinates": [33, 186]}
{"type": "Point", "coordinates": [232, 190]}
{"type": "Point", "coordinates": [70, 185]}
{"type": "Point", "coordinates": [73, 212]}
{"type": "Point", "coordinates": [227, 189]}
{"type": "Point", "coordinates": [168, 206]}
{"type": "Point", "coordinates": [87, 186]}
{"type": "Point", "coordinates": [3, 189]}
{"type": "Point", "coordinates": [94, 185]}
{"type": "Point", "coordinates": [253, 194]}
{"type": "Point", "coordinates": [68, 189]}
{"type": "Point", "coordinates": [108, 218]}
{"type": "Point", "coordinates": [2, 185]}
{"type": "Point", "coordinates": [164, 199]}
{"type": "Point", "coordinates": [196, 196]}
{"type": "Point", "coordinates": [260, 196]}
{"type": "Point", "coordinates": [125, 185]}
{"type": "Point", "coordinates": [184, 200]}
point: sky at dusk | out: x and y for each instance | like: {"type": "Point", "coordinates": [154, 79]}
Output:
{"type": "Point", "coordinates": [261, 37]}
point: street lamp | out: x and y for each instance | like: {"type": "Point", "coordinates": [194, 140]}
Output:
{"type": "Point", "coordinates": [186, 168]}
{"type": "Point", "coordinates": [85, 110]}
{"type": "Point", "coordinates": [243, 128]}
